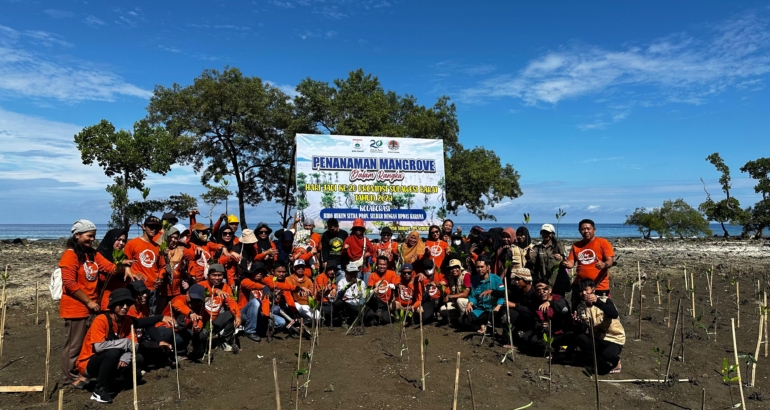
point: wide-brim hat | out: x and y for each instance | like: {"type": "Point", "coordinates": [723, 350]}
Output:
{"type": "Point", "coordinates": [248, 237]}
{"type": "Point", "coordinates": [119, 296]}
{"type": "Point", "coordinates": [522, 273]}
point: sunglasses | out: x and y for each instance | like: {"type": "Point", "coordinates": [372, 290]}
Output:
{"type": "Point", "coordinates": [262, 232]}
{"type": "Point", "coordinates": [227, 234]}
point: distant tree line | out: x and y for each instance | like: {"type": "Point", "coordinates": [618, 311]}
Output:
{"type": "Point", "coordinates": [235, 128]}
{"type": "Point", "coordinates": [679, 218]}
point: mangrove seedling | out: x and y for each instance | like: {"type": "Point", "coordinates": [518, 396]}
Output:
{"type": "Point", "coordinates": [727, 377]}
{"type": "Point", "coordinates": [659, 359]}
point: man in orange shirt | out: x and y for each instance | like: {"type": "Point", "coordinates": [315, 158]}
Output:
{"type": "Point", "coordinates": [594, 257]}
{"type": "Point", "coordinates": [190, 315]}
{"type": "Point", "coordinates": [433, 283]}
{"type": "Point", "coordinates": [388, 247]}
{"type": "Point", "coordinates": [408, 292]}
{"type": "Point", "coordinates": [304, 288]}
{"type": "Point", "coordinates": [382, 282]}
{"type": "Point", "coordinates": [221, 305]}
{"type": "Point", "coordinates": [146, 252]}
{"type": "Point", "coordinates": [200, 252]}
{"type": "Point", "coordinates": [326, 291]}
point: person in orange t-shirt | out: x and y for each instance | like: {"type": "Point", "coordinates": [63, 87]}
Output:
{"type": "Point", "coordinates": [146, 252]}
{"type": "Point", "coordinates": [326, 290]}
{"type": "Point", "coordinates": [409, 290]}
{"type": "Point", "coordinates": [382, 282]}
{"type": "Point", "coordinates": [106, 350]}
{"type": "Point", "coordinates": [281, 290]}
{"type": "Point", "coordinates": [358, 247]}
{"type": "Point", "coordinates": [436, 248]}
{"type": "Point", "coordinates": [83, 271]}
{"type": "Point", "coordinates": [200, 252]}
{"type": "Point", "coordinates": [388, 247]}
{"type": "Point", "coordinates": [190, 316]}
{"type": "Point", "coordinates": [593, 256]}
{"type": "Point", "coordinates": [220, 296]}
{"type": "Point", "coordinates": [433, 283]}
{"type": "Point", "coordinates": [304, 288]}
{"type": "Point", "coordinates": [251, 293]}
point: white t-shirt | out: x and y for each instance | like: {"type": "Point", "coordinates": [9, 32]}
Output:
{"type": "Point", "coordinates": [355, 293]}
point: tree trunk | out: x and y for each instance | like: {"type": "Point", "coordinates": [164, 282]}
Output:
{"type": "Point", "coordinates": [124, 211]}
{"type": "Point", "coordinates": [727, 235]}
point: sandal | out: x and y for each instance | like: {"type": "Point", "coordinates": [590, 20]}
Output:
{"type": "Point", "coordinates": [80, 383]}
{"type": "Point", "coordinates": [617, 369]}
{"type": "Point", "coordinates": [482, 330]}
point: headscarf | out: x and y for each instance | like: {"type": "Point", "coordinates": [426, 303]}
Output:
{"type": "Point", "coordinates": [286, 236]}
{"type": "Point", "coordinates": [220, 240]}
{"type": "Point", "coordinates": [263, 244]}
{"type": "Point", "coordinates": [105, 247]}
{"type": "Point", "coordinates": [522, 230]}
{"type": "Point", "coordinates": [414, 253]}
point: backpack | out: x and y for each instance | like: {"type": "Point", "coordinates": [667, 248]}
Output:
{"type": "Point", "coordinates": [56, 284]}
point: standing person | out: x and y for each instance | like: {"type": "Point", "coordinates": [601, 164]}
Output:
{"type": "Point", "coordinates": [609, 335]}
{"type": "Point", "coordinates": [226, 238]}
{"type": "Point", "coordinates": [81, 267]}
{"type": "Point", "coordinates": [167, 221]}
{"type": "Point", "coordinates": [332, 242]}
{"type": "Point", "coordinates": [479, 307]}
{"type": "Point", "coordinates": [232, 222]}
{"type": "Point", "coordinates": [146, 252]}
{"type": "Point", "coordinates": [458, 288]}
{"type": "Point", "coordinates": [106, 350]}
{"type": "Point", "coordinates": [508, 252]}
{"type": "Point", "coordinates": [546, 258]}
{"type": "Point", "coordinates": [413, 250]}
{"type": "Point", "coordinates": [382, 281]}
{"type": "Point", "coordinates": [594, 256]}
{"type": "Point", "coordinates": [437, 247]}
{"type": "Point", "coordinates": [524, 243]}
{"type": "Point", "coordinates": [111, 246]}
{"type": "Point", "coordinates": [358, 247]}
{"type": "Point", "coordinates": [175, 278]}
{"type": "Point", "coordinates": [388, 247]}
{"type": "Point", "coordinates": [350, 298]}
{"type": "Point", "coordinates": [303, 289]}
{"type": "Point", "coordinates": [200, 251]}
{"type": "Point", "coordinates": [446, 230]}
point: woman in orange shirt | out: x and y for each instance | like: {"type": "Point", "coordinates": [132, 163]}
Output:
{"type": "Point", "coordinates": [82, 271]}
{"type": "Point", "coordinates": [387, 247]}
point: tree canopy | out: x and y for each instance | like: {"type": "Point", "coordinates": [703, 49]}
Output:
{"type": "Point", "coordinates": [725, 210]}
{"type": "Point", "coordinates": [683, 220]}
{"type": "Point", "coordinates": [647, 221]}
{"type": "Point", "coordinates": [757, 218]}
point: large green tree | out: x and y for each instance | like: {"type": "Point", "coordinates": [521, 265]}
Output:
{"type": "Point", "coordinates": [725, 210]}
{"type": "Point", "coordinates": [683, 220]}
{"type": "Point", "coordinates": [242, 127]}
{"type": "Point", "coordinates": [758, 216]}
{"type": "Point", "coordinates": [358, 105]}
{"type": "Point", "coordinates": [126, 157]}
{"type": "Point", "coordinates": [647, 221]}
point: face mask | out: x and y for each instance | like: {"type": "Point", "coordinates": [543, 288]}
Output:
{"type": "Point", "coordinates": [456, 242]}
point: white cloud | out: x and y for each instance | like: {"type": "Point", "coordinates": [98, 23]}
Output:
{"type": "Point", "coordinates": [287, 89]}
{"type": "Point", "coordinates": [93, 21]}
{"type": "Point", "coordinates": [27, 73]}
{"type": "Point", "coordinates": [46, 39]}
{"type": "Point", "coordinates": [677, 68]}
{"type": "Point", "coordinates": [59, 14]}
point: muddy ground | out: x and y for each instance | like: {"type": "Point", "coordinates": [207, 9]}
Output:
{"type": "Point", "coordinates": [367, 371]}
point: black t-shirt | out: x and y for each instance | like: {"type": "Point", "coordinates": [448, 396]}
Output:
{"type": "Point", "coordinates": [331, 247]}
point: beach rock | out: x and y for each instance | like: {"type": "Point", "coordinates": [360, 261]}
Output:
{"type": "Point", "coordinates": [19, 241]}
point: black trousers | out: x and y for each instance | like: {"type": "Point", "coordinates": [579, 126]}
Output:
{"type": "Point", "coordinates": [429, 309]}
{"type": "Point", "coordinates": [224, 325]}
{"type": "Point", "coordinates": [377, 312]}
{"type": "Point", "coordinates": [476, 321]}
{"type": "Point", "coordinates": [607, 353]}
{"type": "Point", "coordinates": [342, 310]}
{"type": "Point", "coordinates": [104, 367]}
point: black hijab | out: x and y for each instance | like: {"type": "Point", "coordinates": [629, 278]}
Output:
{"type": "Point", "coordinates": [522, 231]}
{"type": "Point", "coordinates": [106, 245]}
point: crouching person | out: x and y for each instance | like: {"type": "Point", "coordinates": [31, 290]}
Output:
{"type": "Point", "coordinates": [609, 335]}
{"type": "Point", "coordinates": [480, 301]}
{"type": "Point", "coordinates": [250, 301]}
{"type": "Point", "coordinates": [350, 297]}
{"type": "Point", "coordinates": [408, 294]}
{"type": "Point", "coordinates": [106, 352]}
{"type": "Point", "coordinates": [304, 288]}
{"type": "Point", "coordinates": [153, 349]}
{"type": "Point", "coordinates": [550, 313]}
{"type": "Point", "coordinates": [189, 316]}
{"type": "Point", "coordinates": [458, 288]}
{"type": "Point", "coordinates": [225, 315]}
{"type": "Point", "coordinates": [381, 282]}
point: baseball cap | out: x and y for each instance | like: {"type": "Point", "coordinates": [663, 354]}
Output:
{"type": "Point", "coordinates": [429, 267]}
{"type": "Point", "coordinates": [299, 263]}
{"type": "Point", "coordinates": [82, 225]}
{"type": "Point", "coordinates": [548, 228]}
{"type": "Point", "coordinates": [196, 292]}
{"type": "Point", "coordinates": [151, 220]}
{"type": "Point", "coordinates": [406, 266]}
{"type": "Point", "coordinates": [216, 267]}
{"type": "Point", "coordinates": [455, 263]}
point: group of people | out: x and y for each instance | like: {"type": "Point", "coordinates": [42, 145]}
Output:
{"type": "Point", "coordinates": [183, 287]}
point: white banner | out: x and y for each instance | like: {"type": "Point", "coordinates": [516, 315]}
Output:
{"type": "Point", "coordinates": [396, 182]}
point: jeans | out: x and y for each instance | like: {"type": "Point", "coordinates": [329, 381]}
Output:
{"type": "Point", "coordinates": [279, 322]}
{"type": "Point", "coordinates": [249, 316]}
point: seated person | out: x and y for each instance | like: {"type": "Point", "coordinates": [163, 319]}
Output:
{"type": "Point", "coordinates": [350, 297]}
{"type": "Point", "coordinates": [433, 284]}
{"type": "Point", "coordinates": [408, 293]}
{"type": "Point", "coordinates": [458, 288]}
{"type": "Point", "coordinates": [252, 291]}
{"type": "Point", "coordinates": [480, 302]}
{"type": "Point", "coordinates": [106, 352]}
{"type": "Point", "coordinates": [303, 289]}
{"type": "Point", "coordinates": [189, 315]}
{"type": "Point", "coordinates": [150, 345]}
{"type": "Point", "coordinates": [520, 295]}
{"type": "Point", "coordinates": [221, 306]}
{"type": "Point", "coordinates": [609, 335]}
{"type": "Point", "coordinates": [279, 300]}
{"type": "Point", "coordinates": [382, 282]}
{"type": "Point", "coordinates": [326, 288]}
{"type": "Point", "coordinates": [547, 310]}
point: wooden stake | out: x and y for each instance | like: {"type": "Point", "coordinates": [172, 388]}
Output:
{"type": "Point", "coordinates": [692, 288]}
{"type": "Point", "coordinates": [737, 365]}
{"type": "Point", "coordinates": [642, 381]}
{"type": "Point", "coordinates": [681, 334]}
{"type": "Point", "coordinates": [299, 349]}
{"type": "Point", "coordinates": [510, 325]}
{"type": "Point", "coordinates": [709, 282]}
{"type": "Point", "coordinates": [685, 280]}
{"type": "Point", "coordinates": [20, 389]}
{"type": "Point", "coordinates": [756, 352]}
{"type": "Point", "coordinates": [457, 381]}
{"type": "Point", "coordinates": [422, 352]}
{"type": "Point", "coordinates": [641, 299]}
{"type": "Point", "coordinates": [470, 385]}
{"type": "Point", "coordinates": [703, 400]}
{"type": "Point", "coordinates": [37, 303]}
{"type": "Point", "coordinates": [766, 332]}
{"type": "Point", "coordinates": [596, 367]}
{"type": "Point", "coordinates": [673, 340]}
{"type": "Point", "coordinates": [668, 294]}
{"type": "Point", "coordinates": [133, 366]}
{"type": "Point", "coordinates": [61, 399]}
{"type": "Point", "coordinates": [631, 301]}
{"type": "Point", "coordinates": [277, 393]}
{"type": "Point", "coordinates": [738, 301]}
{"type": "Point", "coordinates": [47, 354]}
{"type": "Point", "coordinates": [657, 283]}
{"type": "Point", "coordinates": [211, 337]}
{"type": "Point", "coordinates": [2, 319]}
{"type": "Point", "coordinates": [176, 354]}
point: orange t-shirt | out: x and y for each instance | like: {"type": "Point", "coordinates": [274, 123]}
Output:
{"type": "Point", "coordinates": [148, 262]}
{"type": "Point", "coordinates": [305, 283]}
{"type": "Point", "coordinates": [214, 303]}
{"type": "Point", "coordinates": [320, 283]}
{"type": "Point", "coordinates": [585, 256]}
{"type": "Point", "coordinates": [85, 277]}
{"type": "Point", "coordinates": [385, 247]}
{"type": "Point", "coordinates": [434, 291]}
{"type": "Point", "coordinates": [438, 251]}
{"type": "Point", "coordinates": [408, 293]}
{"type": "Point", "coordinates": [284, 288]}
{"type": "Point", "coordinates": [179, 303]}
{"type": "Point", "coordinates": [197, 265]}
{"type": "Point", "coordinates": [249, 289]}
{"type": "Point", "coordinates": [382, 282]}
{"type": "Point", "coordinates": [97, 333]}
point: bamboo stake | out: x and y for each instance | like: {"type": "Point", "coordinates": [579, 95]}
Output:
{"type": "Point", "coordinates": [681, 335]}
{"type": "Point", "coordinates": [685, 279]}
{"type": "Point", "coordinates": [737, 365]}
{"type": "Point", "coordinates": [20, 389]}
{"type": "Point", "coordinates": [422, 351]}
{"type": "Point", "coordinates": [668, 294]}
{"type": "Point", "coordinates": [61, 399]}
{"type": "Point", "coordinates": [673, 340]}
{"type": "Point", "coordinates": [211, 337]}
{"type": "Point", "coordinates": [277, 393]}
{"type": "Point", "coordinates": [313, 342]}
{"type": "Point", "coordinates": [457, 381]}
{"type": "Point", "coordinates": [738, 301]}
{"type": "Point", "coordinates": [2, 320]}
{"type": "Point", "coordinates": [176, 354]}
{"type": "Point", "coordinates": [641, 299]}
{"type": "Point", "coordinates": [756, 352]}
{"type": "Point", "coordinates": [510, 325]}
{"type": "Point", "coordinates": [642, 381]}
{"type": "Point", "coordinates": [47, 354]}
{"type": "Point", "coordinates": [470, 385]}
{"type": "Point", "coordinates": [37, 303]}
{"type": "Point", "coordinates": [709, 282]}
{"type": "Point", "coordinates": [133, 366]}
{"type": "Point", "coordinates": [703, 400]}
{"type": "Point", "coordinates": [692, 288]}
{"type": "Point", "coordinates": [766, 332]}
{"type": "Point", "coordinates": [596, 367]}
{"type": "Point", "coordinates": [631, 301]}
{"type": "Point", "coordinates": [657, 283]}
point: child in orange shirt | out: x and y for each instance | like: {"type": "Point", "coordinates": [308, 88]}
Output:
{"type": "Point", "coordinates": [382, 282]}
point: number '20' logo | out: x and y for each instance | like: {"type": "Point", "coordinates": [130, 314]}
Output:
{"type": "Point", "coordinates": [375, 143]}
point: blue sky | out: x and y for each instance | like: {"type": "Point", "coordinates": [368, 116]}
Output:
{"type": "Point", "coordinates": [601, 106]}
